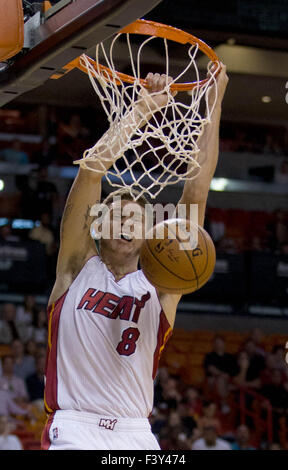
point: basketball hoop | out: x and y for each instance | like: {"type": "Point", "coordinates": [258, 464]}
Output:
{"type": "Point", "coordinates": [165, 150]}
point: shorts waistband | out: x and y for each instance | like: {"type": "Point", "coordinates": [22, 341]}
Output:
{"type": "Point", "coordinates": [105, 422]}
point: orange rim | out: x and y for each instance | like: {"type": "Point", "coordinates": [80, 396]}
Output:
{"type": "Point", "coordinates": [151, 28]}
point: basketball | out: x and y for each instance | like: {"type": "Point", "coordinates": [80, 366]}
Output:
{"type": "Point", "coordinates": [177, 256]}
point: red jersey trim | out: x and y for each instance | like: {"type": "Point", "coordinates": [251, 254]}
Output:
{"type": "Point", "coordinates": [164, 333]}
{"type": "Point", "coordinates": [50, 394]}
{"type": "Point", "coordinates": [45, 439]}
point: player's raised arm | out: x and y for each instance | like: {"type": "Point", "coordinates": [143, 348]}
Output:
{"type": "Point", "coordinates": [76, 244]}
{"type": "Point", "coordinates": [196, 190]}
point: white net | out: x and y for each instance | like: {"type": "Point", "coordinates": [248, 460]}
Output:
{"type": "Point", "coordinates": [163, 149]}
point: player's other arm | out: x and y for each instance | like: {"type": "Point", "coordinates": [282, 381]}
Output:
{"type": "Point", "coordinates": [196, 191]}
{"type": "Point", "coordinates": [76, 244]}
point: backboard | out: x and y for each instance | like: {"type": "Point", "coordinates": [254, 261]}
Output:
{"type": "Point", "coordinates": [54, 37]}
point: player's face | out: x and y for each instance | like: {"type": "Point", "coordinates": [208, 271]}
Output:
{"type": "Point", "coordinates": [127, 223]}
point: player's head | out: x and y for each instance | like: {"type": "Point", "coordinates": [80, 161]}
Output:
{"type": "Point", "coordinates": [123, 225]}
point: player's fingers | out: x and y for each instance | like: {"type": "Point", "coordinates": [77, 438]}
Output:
{"type": "Point", "coordinates": [155, 82]}
{"type": "Point", "coordinates": [169, 80]}
{"type": "Point", "coordinates": [163, 81]}
{"type": "Point", "coordinates": [149, 79]}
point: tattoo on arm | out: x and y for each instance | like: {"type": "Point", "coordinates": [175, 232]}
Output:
{"type": "Point", "coordinates": [67, 213]}
{"type": "Point", "coordinates": [86, 217]}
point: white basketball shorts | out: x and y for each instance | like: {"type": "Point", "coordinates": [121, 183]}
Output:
{"type": "Point", "coordinates": [77, 430]}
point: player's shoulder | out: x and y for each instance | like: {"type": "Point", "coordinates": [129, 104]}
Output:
{"type": "Point", "coordinates": [65, 280]}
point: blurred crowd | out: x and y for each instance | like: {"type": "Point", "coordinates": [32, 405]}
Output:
{"type": "Point", "coordinates": [64, 134]}
{"type": "Point", "coordinates": [254, 138]}
{"type": "Point", "coordinates": [186, 415]}
{"type": "Point", "coordinates": [238, 231]}
{"type": "Point", "coordinates": [206, 416]}
{"type": "Point", "coordinates": [23, 341]}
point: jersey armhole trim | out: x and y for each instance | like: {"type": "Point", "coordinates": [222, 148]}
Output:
{"type": "Point", "coordinates": [74, 280]}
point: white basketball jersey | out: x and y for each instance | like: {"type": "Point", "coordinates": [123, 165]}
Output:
{"type": "Point", "coordinates": [104, 343]}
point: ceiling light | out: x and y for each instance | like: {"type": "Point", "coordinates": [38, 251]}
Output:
{"type": "Point", "coordinates": [1, 185]}
{"type": "Point", "coordinates": [218, 184]}
{"type": "Point", "coordinates": [266, 99]}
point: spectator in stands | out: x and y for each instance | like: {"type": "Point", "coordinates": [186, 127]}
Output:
{"type": "Point", "coordinates": [38, 329]}
{"type": "Point", "coordinates": [8, 441]}
{"type": "Point", "coordinates": [35, 382]}
{"type": "Point", "coordinates": [24, 365]}
{"type": "Point", "coordinates": [219, 367]}
{"type": "Point", "coordinates": [246, 380]}
{"type": "Point", "coordinates": [275, 360]}
{"type": "Point", "coordinates": [31, 348]}
{"type": "Point", "coordinates": [10, 329]}
{"type": "Point", "coordinates": [72, 138]}
{"type": "Point", "coordinates": [48, 152]}
{"type": "Point", "coordinates": [242, 439]}
{"type": "Point", "coordinates": [193, 402]}
{"type": "Point", "coordinates": [9, 382]}
{"type": "Point", "coordinates": [170, 395]}
{"type": "Point", "coordinates": [210, 441]}
{"type": "Point", "coordinates": [8, 406]}
{"type": "Point", "coordinates": [257, 361]}
{"type": "Point", "coordinates": [44, 234]}
{"type": "Point", "coordinates": [41, 349]}
{"type": "Point", "coordinates": [26, 312]}
{"type": "Point", "coordinates": [245, 374]}
{"type": "Point", "coordinates": [188, 421]}
{"type": "Point", "coordinates": [274, 446]}
{"type": "Point", "coordinates": [14, 154]}
{"type": "Point", "coordinates": [45, 195]}
{"type": "Point", "coordinates": [256, 244]}
{"type": "Point", "coordinates": [277, 394]}
{"type": "Point", "coordinates": [174, 436]}
{"type": "Point", "coordinates": [6, 234]}
{"type": "Point", "coordinates": [209, 418]}
{"type": "Point", "coordinates": [257, 336]}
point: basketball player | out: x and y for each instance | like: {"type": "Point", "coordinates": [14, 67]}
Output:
{"type": "Point", "coordinates": [107, 324]}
